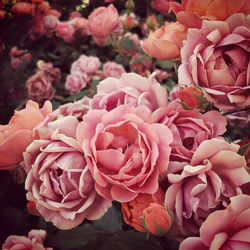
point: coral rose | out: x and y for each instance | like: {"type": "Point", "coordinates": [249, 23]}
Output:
{"type": "Point", "coordinates": [189, 128]}
{"type": "Point", "coordinates": [113, 69]}
{"type": "Point", "coordinates": [124, 150]}
{"type": "Point", "coordinates": [216, 172]}
{"type": "Point", "coordinates": [58, 179]}
{"type": "Point", "coordinates": [166, 42]}
{"type": "Point", "coordinates": [191, 12]}
{"type": "Point", "coordinates": [40, 87]}
{"type": "Point", "coordinates": [216, 59]}
{"type": "Point", "coordinates": [23, 8]}
{"type": "Point", "coordinates": [132, 211]}
{"type": "Point", "coordinates": [20, 132]}
{"type": "Point", "coordinates": [189, 96]}
{"type": "Point", "coordinates": [34, 241]}
{"type": "Point", "coordinates": [224, 229]}
{"type": "Point", "coordinates": [130, 89]}
{"type": "Point", "coordinates": [102, 21]}
{"type": "Point", "coordinates": [75, 82]}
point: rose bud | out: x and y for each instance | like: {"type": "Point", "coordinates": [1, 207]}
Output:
{"type": "Point", "coordinates": [189, 96]}
{"type": "Point", "coordinates": [156, 219]}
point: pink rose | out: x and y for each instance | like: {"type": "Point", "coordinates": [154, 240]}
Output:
{"type": "Point", "coordinates": [66, 31]}
{"type": "Point", "coordinates": [224, 229]}
{"type": "Point", "coordinates": [39, 87]}
{"type": "Point", "coordinates": [86, 64]}
{"type": "Point", "coordinates": [216, 59]}
{"type": "Point", "coordinates": [124, 150]}
{"type": "Point", "coordinates": [34, 241]}
{"type": "Point", "coordinates": [190, 128]}
{"type": "Point", "coordinates": [161, 6]}
{"type": "Point", "coordinates": [75, 82]}
{"type": "Point", "coordinates": [113, 69]}
{"type": "Point", "coordinates": [81, 24]}
{"type": "Point", "coordinates": [140, 67]}
{"type": "Point", "coordinates": [132, 90]}
{"type": "Point", "coordinates": [58, 179]}
{"type": "Point", "coordinates": [103, 20]}
{"type": "Point", "coordinates": [76, 109]}
{"type": "Point", "coordinates": [214, 174]}
{"type": "Point", "coordinates": [50, 24]}
{"type": "Point", "coordinates": [18, 56]}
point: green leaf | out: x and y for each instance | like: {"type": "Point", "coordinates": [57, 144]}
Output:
{"type": "Point", "coordinates": [77, 96]}
{"type": "Point", "coordinates": [141, 59]}
{"type": "Point", "coordinates": [169, 84]}
{"type": "Point", "coordinates": [94, 84]}
{"type": "Point", "coordinates": [128, 44]}
{"type": "Point", "coordinates": [110, 221]}
{"type": "Point", "coordinates": [165, 64]}
{"type": "Point", "coordinates": [243, 150]}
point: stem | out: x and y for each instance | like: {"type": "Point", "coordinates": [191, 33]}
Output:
{"type": "Point", "coordinates": [237, 110]}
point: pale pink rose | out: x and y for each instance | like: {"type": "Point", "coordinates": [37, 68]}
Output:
{"type": "Point", "coordinates": [75, 82]}
{"type": "Point", "coordinates": [216, 58]}
{"type": "Point", "coordinates": [34, 241]}
{"type": "Point", "coordinates": [50, 22]}
{"type": "Point", "coordinates": [224, 229]}
{"type": "Point", "coordinates": [124, 150]}
{"type": "Point", "coordinates": [86, 64]}
{"type": "Point", "coordinates": [215, 174]}
{"type": "Point", "coordinates": [58, 179]}
{"type": "Point", "coordinates": [190, 128]}
{"type": "Point", "coordinates": [66, 31]}
{"type": "Point", "coordinates": [141, 67]}
{"type": "Point", "coordinates": [113, 69]}
{"type": "Point", "coordinates": [76, 109]}
{"type": "Point", "coordinates": [161, 6]}
{"type": "Point", "coordinates": [102, 21]}
{"type": "Point", "coordinates": [132, 90]}
{"type": "Point", "coordinates": [40, 87]}
{"type": "Point", "coordinates": [18, 56]}
{"type": "Point", "coordinates": [174, 93]}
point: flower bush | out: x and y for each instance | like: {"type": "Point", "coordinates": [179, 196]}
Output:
{"type": "Point", "coordinates": [124, 124]}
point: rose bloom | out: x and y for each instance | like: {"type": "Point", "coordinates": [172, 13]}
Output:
{"type": "Point", "coordinates": [224, 229]}
{"type": "Point", "coordinates": [132, 90]}
{"type": "Point", "coordinates": [18, 56]}
{"type": "Point", "coordinates": [161, 6]}
{"type": "Point", "coordinates": [135, 39]}
{"type": "Point", "coordinates": [34, 241]}
{"type": "Point", "coordinates": [189, 128]}
{"type": "Point", "coordinates": [166, 42]}
{"type": "Point", "coordinates": [75, 82]}
{"type": "Point", "coordinates": [50, 23]}
{"type": "Point", "coordinates": [215, 173]}
{"type": "Point", "coordinates": [216, 59]}
{"type": "Point", "coordinates": [86, 64]}
{"type": "Point", "coordinates": [23, 8]}
{"type": "Point", "coordinates": [189, 97]}
{"type": "Point", "coordinates": [124, 150]}
{"type": "Point", "coordinates": [113, 69]}
{"type": "Point", "coordinates": [58, 178]}
{"type": "Point", "coordinates": [20, 132]}
{"type": "Point", "coordinates": [76, 109]}
{"type": "Point", "coordinates": [81, 24]}
{"type": "Point", "coordinates": [66, 31]}
{"type": "Point", "coordinates": [102, 21]}
{"type": "Point", "coordinates": [141, 67]}
{"type": "Point", "coordinates": [39, 87]}
{"type": "Point", "coordinates": [132, 211]}
{"type": "Point", "coordinates": [191, 12]}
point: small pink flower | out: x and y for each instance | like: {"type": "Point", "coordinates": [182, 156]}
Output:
{"type": "Point", "coordinates": [224, 229]}
{"type": "Point", "coordinates": [58, 177]}
{"type": "Point", "coordinates": [86, 64]}
{"type": "Point", "coordinates": [132, 90]}
{"type": "Point", "coordinates": [40, 87]}
{"type": "Point", "coordinates": [18, 56]}
{"type": "Point", "coordinates": [75, 82]}
{"type": "Point", "coordinates": [113, 69]}
{"type": "Point", "coordinates": [34, 241]}
{"type": "Point", "coordinates": [124, 151]}
{"type": "Point", "coordinates": [66, 31]}
{"type": "Point", "coordinates": [215, 173]}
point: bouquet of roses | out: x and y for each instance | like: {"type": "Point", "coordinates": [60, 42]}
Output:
{"type": "Point", "coordinates": [125, 145]}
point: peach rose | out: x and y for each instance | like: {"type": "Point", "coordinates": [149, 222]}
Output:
{"type": "Point", "coordinates": [102, 21]}
{"type": "Point", "coordinates": [224, 229]}
{"type": "Point", "coordinates": [125, 151]}
{"type": "Point", "coordinates": [166, 42]}
{"type": "Point", "coordinates": [113, 69]}
{"type": "Point", "coordinates": [191, 12]}
{"type": "Point", "coordinates": [58, 178]}
{"type": "Point", "coordinates": [216, 59]}
{"type": "Point", "coordinates": [21, 128]}
{"type": "Point", "coordinates": [216, 172]}
{"type": "Point", "coordinates": [130, 89]}
{"type": "Point", "coordinates": [132, 211]}
{"type": "Point", "coordinates": [34, 241]}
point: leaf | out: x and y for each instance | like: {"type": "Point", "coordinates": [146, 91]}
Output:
{"type": "Point", "coordinates": [94, 84]}
{"type": "Point", "coordinates": [243, 150]}
{"type": "Point", "coordinates": [110, 221]}
{"type": "Point", "coordinates": [141, 59]}
{"type": "Point", "coordinates": [76, 96]}
{"type": "Point", "coordinates": [165, 64]}
{"type": "Point", "coordinates": [128, 44]}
